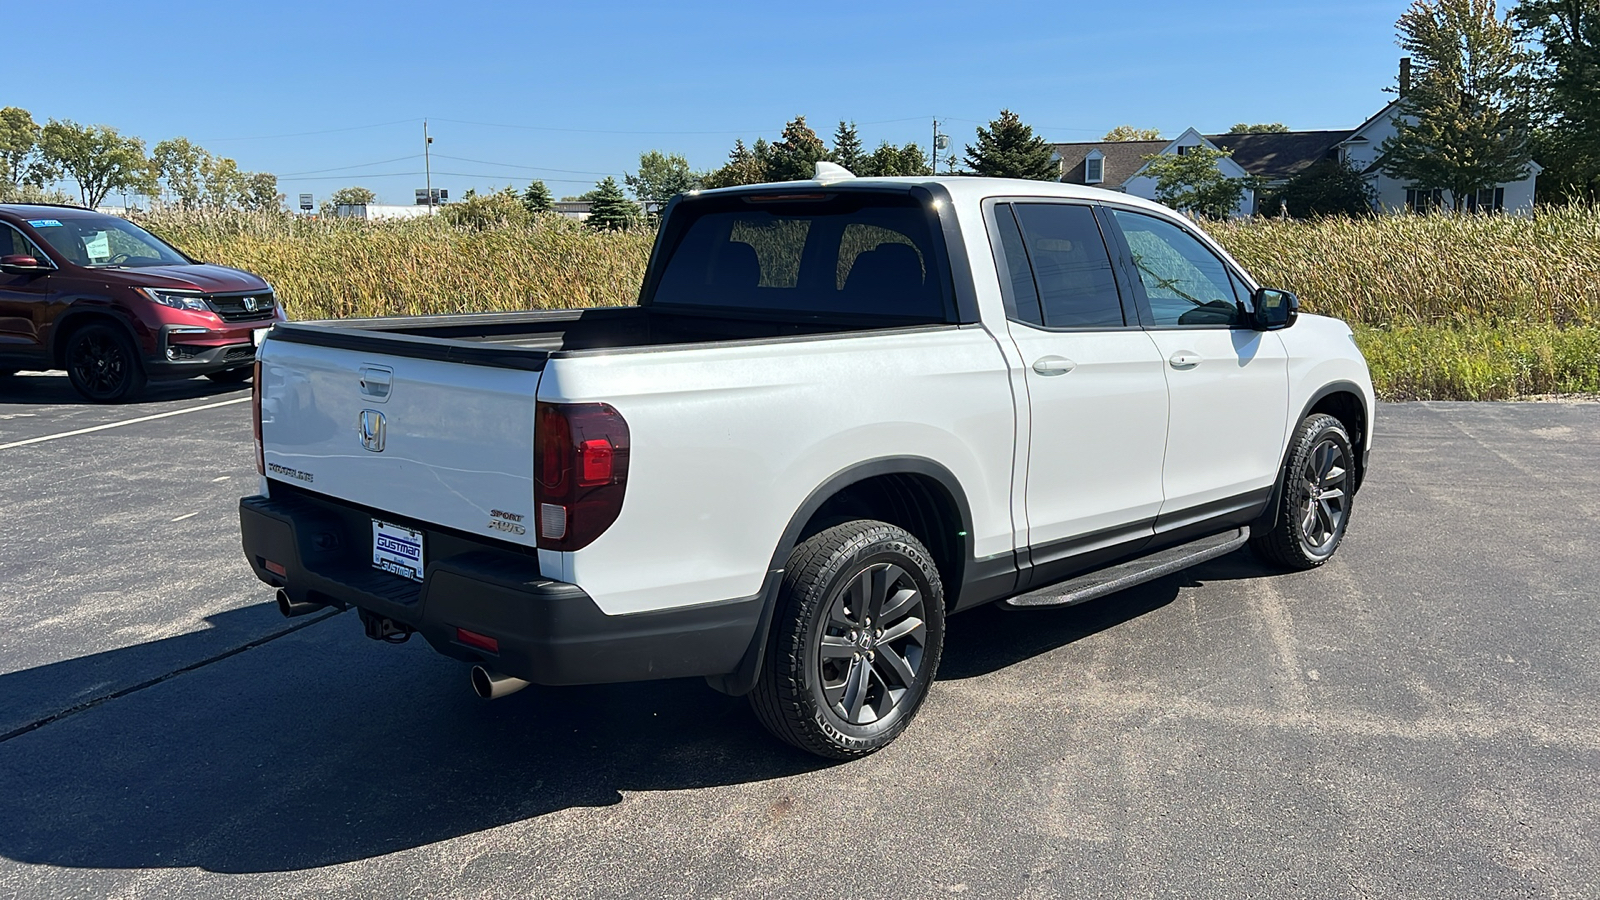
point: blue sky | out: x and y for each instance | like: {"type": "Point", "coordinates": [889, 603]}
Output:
{"type": "Point", "coordinates": [333, 94]}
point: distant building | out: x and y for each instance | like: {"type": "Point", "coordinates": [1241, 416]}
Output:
{"type": "Point", "coordinates": [374, 212]}
{"type": "Point", "coordinates": [574, 209]}
{"type": "Point", "coordinates": [1275, 158]}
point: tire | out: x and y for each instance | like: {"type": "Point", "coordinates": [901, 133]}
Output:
{"type": "Point", "coordinates": [232, 376]}
{"type": "Point", "coordinates": [831, 684]}
{"type": "Point", "coordinates": [1314, 497]}
{"type": "Point", "coordinates": [103, 364]}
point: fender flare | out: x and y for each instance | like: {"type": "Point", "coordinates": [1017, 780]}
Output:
{"type": "Point", "coordinates": [743, 679]}
{"type": "Point", "coordinates": [67, 322]}
{"type": "Point", "coordinates": [1269, 515]}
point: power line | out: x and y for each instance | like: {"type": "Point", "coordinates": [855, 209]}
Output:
{"type": "Point", "coordinates": [596, 130]}
{"type": "Point", "coordinates": [356, 166]}
{"type": "Point", "coordinates": [371, 175]}
{"type": "Point", "coordinates": [517, 166]}
{"type": "Point", "coordinates": [269, 137]}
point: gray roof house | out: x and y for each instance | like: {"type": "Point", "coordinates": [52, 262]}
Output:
{"type": "Point", "coordinates": [1277, 157]}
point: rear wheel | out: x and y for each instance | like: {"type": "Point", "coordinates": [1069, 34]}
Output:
{"type": "Point", "coordinates": [231, 376]}
{"type": "Point", "coordinates": [856, 640]}
{"type": "Point", "coordinates": [1314, 497]}
{"type": "Point", "coordinates": [103, 365]}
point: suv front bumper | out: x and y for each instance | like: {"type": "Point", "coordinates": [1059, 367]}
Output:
{"type": "Point", "coordinates": [549, 632]}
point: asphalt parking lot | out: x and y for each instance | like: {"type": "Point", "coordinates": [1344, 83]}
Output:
{"type": "Point", "coordinates": [1416, 719]}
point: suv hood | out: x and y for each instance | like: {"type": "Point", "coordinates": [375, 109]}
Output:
{"type": "Point", "coordinates": [211, 279]}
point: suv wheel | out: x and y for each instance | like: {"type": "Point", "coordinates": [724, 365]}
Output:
{"type": "Point", "coordinates": [856, 640]}
{"type": "Point", "coordinates": [103, 364]}
{"type": "Point", "coordinates": [1314, 498]}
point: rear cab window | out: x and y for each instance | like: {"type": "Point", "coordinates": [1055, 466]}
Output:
{"type": "Point", "coordinates": [825, 252]}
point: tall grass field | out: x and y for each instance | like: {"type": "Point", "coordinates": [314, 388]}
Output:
{"type": "Point", "coordinates": [1444, 306]}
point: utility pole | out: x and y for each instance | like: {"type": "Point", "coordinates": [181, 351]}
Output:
{"type": "Point", "coordinates": [934, 151]}
{"type": "Point", "coordinates": [427, 164]}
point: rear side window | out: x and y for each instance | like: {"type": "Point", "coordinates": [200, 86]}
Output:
{"type": "Point", "coordinates": [1057, 264]}
{"type": "Point", "coordinates": [854, 253]}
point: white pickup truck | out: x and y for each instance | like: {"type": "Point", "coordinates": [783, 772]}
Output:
{"type": "Point", "coordinates": [842, 410]}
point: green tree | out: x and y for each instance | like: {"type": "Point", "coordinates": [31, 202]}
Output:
{"type": "Point", "coordinates": [225, 185]}
{"type": "Point", "coordinates": [1192, 182]}
{"type": "Point", "coordinates": [20, 161]}
{"type": "Point", "coordinates": [795, 157]}
{"type": "Point", "coordinates": [484, 212]}
{"type": "Point", "coordinates": [1262, 128]}
{"type": "Point", "coordinates": [610, 209]}
{"type": "Point", "coordinates": [97, 157]}
{"type": "Point", "coordinates": [889, 160]}
{"type": "Point", "coordinates": [847, 149]}
{"type": "Point", "coordinates": [1328, 187]}
{"type": "Point", "coordinates": [536, 199]}
{"type": "Point", "coordinates": [744, 166]}
{"type": "Point", "coordinates": [1464, 124]}
{"type": "Point", "coordinates": [1009, 149]}
{"type": "Point", "coordinates": [661, 177]}
{"type": "Point", "coordinates": [182, 165]}
{"type": "Point", "coordinates": [261, 192]}
{"type": "Point", "coordinates": [348, 196]}
{"type": "Point", "coordinates": [1566, 34]}
{"type": "Point", "coordinates": [1130, 133]}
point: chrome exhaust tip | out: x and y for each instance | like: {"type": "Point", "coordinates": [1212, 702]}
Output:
{"type": "Point", "coordinates": [291, 607]}
{"type": "Point", "coordinates": [493, 685]}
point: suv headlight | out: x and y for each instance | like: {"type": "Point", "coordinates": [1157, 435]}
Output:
{"type": "Point", "coordinates": [177, 299]}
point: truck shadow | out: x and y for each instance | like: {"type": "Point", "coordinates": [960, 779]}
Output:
{"type": "Point", "coordinates": [991, 638]}
{"type": "Point", "coordinates": [322, 747]}
{"type": "Point", "coordinates": [53, 389]}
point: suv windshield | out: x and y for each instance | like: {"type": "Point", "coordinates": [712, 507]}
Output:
{"type": "Point", "coordinates": [105, 242]}
{"type": "Point", "coordinates": [850, 253]}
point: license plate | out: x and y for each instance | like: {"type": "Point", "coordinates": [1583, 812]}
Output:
{"type": "Point", "coordinates": [259, 335]}
{"type": "Point", "coordinates": [397, 550]}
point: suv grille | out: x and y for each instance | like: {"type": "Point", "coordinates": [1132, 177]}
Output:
{"type": "Point", "coordinates": [244, 307]}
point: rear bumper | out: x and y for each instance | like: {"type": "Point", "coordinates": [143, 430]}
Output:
{"type": "Point", "coordinates": [549, 632]}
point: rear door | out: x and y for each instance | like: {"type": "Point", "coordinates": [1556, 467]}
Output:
{"type": "Point", "coordinates": [1097, 396]}
{"type": "Point", "coordinates": [1229, 383]}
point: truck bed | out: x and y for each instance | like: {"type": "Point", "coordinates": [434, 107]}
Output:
{"type": "Point", "coordinates": [524, 340]}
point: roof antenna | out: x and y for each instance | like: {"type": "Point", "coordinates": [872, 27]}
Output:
{"type": "Point", "coordinates": [828, 172]}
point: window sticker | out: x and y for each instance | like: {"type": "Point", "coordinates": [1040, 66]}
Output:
{"type": "Point", "coordinates": [99, 247]}
{"type": "Point", "coordinates": [45, 223]}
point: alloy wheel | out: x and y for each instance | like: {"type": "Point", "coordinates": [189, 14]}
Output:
{"type": "Point", "coordinates": [1325, 475]}
{"type": "Point", "coordinates": [873, 642]}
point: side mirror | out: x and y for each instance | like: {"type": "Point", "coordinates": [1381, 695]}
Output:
{"type": "Point", "coordinates": [1275, 309]}
{"type": "Point", "coordinates": [21, 265]}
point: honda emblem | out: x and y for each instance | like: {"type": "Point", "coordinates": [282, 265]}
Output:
{"type": "Point", "coordinates": [372, 428]}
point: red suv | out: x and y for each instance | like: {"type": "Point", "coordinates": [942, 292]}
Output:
{"type": "Point", "coordinates": [115, 306]}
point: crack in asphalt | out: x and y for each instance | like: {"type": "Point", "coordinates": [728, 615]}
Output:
{"type": "Point", "coordinates": [152, 682]}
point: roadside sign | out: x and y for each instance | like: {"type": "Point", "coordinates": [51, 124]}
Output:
{"type": "Point", "coordinates": [305, 201]}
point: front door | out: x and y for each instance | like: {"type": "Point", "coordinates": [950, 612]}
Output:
{"type": "Point", "coordinates": [1229, 384]}
{"type": "Point", "coordinates": [1096, 392]}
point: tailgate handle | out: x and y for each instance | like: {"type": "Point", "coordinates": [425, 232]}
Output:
{"type": "Point", "coordinates": [375, 381]}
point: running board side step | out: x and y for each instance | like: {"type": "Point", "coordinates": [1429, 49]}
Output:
{"type": "Point", "coordinates": [1096, 584]}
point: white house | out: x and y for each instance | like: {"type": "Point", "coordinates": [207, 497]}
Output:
{"type": "Point", "coordinates": [1277, 157]}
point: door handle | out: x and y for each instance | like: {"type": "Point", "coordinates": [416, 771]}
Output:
{"type": "Point", "coordinates": [1053, 365]}
{"type": "Point", "coordinates": [1184, 359]}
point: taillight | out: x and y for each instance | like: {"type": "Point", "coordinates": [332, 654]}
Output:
{"type": "Point", "coordinates": [580, 462]}
{"type": "Point", "coordinates": [255, 417]}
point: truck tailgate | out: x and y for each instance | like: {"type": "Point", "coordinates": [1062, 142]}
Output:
{"type": "Point", "coordinates": [442, 443]}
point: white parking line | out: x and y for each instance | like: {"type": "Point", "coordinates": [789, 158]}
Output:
{"type": "Point", "coordinates": [176, 412]}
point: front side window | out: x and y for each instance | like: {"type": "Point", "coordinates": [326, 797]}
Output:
{"type": "Point", "coordinates": [105, 242]}
{"type": "Point", "coordinates": [1185, 282]}
{"type": "Point", "coordinates": [1071, 267]}
{"type": "Point", "coordinates": [12, 243]}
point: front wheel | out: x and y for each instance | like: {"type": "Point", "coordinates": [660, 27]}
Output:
{"type": "Point", "coordinates": [856, 640]}
{"type": "Point", "coordinates": [103, 364]}
{"type": "Point", "coordinates": [1318, 484]}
